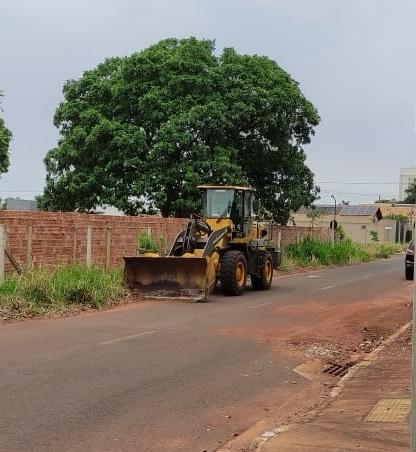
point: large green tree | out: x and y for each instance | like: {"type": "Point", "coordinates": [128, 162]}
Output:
{"type": "Point", "coordinates": [5, 137]}
{"type": "Point", "coordinates": [141, 132]}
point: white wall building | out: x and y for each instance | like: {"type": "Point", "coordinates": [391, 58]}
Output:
{"type": "Point", "coordinates": [20, 204]}
{"type": "Point", "coordinates": [407, 175]}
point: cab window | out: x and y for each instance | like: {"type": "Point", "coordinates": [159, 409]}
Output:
{"type": "Point", "coordinates": [247, 205]}
{"type": "Point", "coordinates": [237, 210]}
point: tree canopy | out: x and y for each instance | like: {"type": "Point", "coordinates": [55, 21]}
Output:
{"type": "Point", "coordinates": [411, 193]}
{"type": "Point", "coordinates": [5, 137]}
{"type": "Point", "coordinates": [140, 132]}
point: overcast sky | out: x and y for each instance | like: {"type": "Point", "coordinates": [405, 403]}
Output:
{"type": "Point", "coordinates": [354, 59]}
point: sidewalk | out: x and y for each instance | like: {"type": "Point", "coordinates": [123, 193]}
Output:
{"type": "Point", "coordinates": [351, 422]}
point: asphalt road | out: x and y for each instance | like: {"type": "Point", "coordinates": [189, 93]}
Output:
{"type": "Point", "coordinates": [158, 376]}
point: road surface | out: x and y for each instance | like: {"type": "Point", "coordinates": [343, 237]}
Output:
{"type": "Point", "coordinates": [156, 376]}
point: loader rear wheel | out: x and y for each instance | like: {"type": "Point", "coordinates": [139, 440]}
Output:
{"type": "Point", "coordinates": [233, 273]}
{"type": "Point", "coordinates": [264, 281]}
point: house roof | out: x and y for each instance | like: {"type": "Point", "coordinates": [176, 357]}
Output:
{"type": "Point", "coordinates": [323, 209]}
{"type": "Point", "coordinates": [407, 210]}
{"type": "Point", "coordinates": [367, 211]}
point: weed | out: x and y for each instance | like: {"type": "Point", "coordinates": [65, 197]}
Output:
{"type": "Point", "coordinates": [374, 236]}
{"type": "Point", "coordinates": [146, 243]}
{"type": "Point", "coordinates": [313, 252]}
{"type": "Point", "coordinates": [39, 292]}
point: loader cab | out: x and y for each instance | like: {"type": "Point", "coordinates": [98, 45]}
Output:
{"type": "Point", "coordinates": [229, 202]}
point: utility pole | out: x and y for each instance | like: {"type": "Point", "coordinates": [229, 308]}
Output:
{"type": "Point", "coordinates": [334, 221]}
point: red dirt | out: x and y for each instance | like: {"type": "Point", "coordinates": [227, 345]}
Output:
{"type": "Point", "coordinates": [342, 333]}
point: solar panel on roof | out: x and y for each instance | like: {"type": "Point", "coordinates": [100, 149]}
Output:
{"type": "Point", "coordinates": [359, 210]}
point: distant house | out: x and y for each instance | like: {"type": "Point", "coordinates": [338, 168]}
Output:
{"type": "Point", "coordinates": [407, 176]}
{"type": "Point", "coordinates": [108, 210]}
{"type": "Point", "coordinates": [359, 222]}
{"type": "Point", "coordinates": [31, 205]}
{"type": "Point", "coordinates": [20, 204]}
{"type": "Point", "coordinates": [404, 214]}
{"type": "Point", "coordinates": [394, 209]}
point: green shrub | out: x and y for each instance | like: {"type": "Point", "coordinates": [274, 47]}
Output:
{"type": "Point", "coordinates": [8, 287]}
{"type": "Point", "coordinates": [146, 243]}
{"type": "Point", "coordinates": [324, 253]}
{"type": "Point", "coordinates": [384, 250]}
{"type": "Point", "coordinates": [310, 252]}
{"type": "Point", "coordinates": [374, 236]}
{"type": "Point", "coordinates": [340, 233]}
{"type": "Point", "coordinates": [288, 264]}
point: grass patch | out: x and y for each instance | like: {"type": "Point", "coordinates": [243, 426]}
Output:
{"type": "Point", "coordinates": [384, 250]}
{"type": "Point", "coordinates": [65, 289]}
{"type": "Point", "coordinates": [314, 253]}
{"type": "Point", "coordinates": [288, 264]}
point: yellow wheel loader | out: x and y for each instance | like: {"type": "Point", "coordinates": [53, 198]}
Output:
{"type": "Point", "coordinates": [223, 245]}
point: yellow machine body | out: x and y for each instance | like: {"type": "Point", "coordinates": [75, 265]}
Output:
{"type": "Point", "coordinates": [190, 277]}
{"type": "Point", "coordinates": [190, 271]}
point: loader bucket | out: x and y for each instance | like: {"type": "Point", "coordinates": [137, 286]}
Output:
{"type": "Point", "coordinates": [183, 278]}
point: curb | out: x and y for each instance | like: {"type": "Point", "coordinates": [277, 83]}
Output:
{"type": "Point", "coordinates": [257, 443]}
{"type": "Point", "coordinates": [368, 360]}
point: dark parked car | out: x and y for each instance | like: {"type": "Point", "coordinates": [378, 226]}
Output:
{"type": "Point", "coordinates": [409, 260]}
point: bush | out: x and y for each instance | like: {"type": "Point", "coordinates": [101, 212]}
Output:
{"type": "Point", "coordinates": [374, 236]}
{"type": "Point", "coordinates": [311, 252]}
{"type": "Point", "coordinates": [288, 264]}
{"type": "Point", "coordinates": [323, 253]}
{"type": "Point", "coordinates": [384, 250]}
{"type": "Point", "coordinates": [67, 287]}
{"type": "Point", "coordinates": [340, 233]}
{"type": "Point", "coordinates": [146, 243]}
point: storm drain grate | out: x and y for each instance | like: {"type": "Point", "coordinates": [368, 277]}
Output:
{"type": "Point", "coordinates": [337, 370]}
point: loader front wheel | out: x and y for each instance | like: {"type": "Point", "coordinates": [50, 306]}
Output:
{"type": "Point", "coordinates": [264, 281]}
{"type": "Point", "coordinates": [233, 273]}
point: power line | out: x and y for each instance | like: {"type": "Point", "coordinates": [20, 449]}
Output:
{"type": "Point", "coordinates": [21, 191]}
{"type": "Point", "coordinates": [356, 193]}
{"type": "Point", "coordinates": [357, 183]}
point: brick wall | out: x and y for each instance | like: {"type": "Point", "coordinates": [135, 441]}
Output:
{"type": "Point", "coordinates": [47, 238]}
{"type": "Point", "coordinates": [62, 237]}
{"type": "Point", "coordinates": [294, 234]}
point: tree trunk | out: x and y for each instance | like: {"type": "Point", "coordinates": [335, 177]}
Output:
{"type": "Point", "coordinates": [165, 210]}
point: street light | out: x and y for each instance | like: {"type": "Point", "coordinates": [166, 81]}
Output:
{"type": "Point", "coordinates": [335, 216]}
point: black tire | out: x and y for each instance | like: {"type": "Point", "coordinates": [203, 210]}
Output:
{"type": "Point", "coordinates": [231, 263]}
{"type": "Point", "coordinates": [409, 274]}
{"type": "Point", "coordinates": [264, 282]}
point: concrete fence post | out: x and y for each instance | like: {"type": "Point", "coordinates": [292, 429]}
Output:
{"type": "Point", "coordinates": [108, 247]}
{"type": "Point", "coordinates": [2, 250]}
{"type": "Point", "coordinates": [297, 237]}
{"type": "Point", "coordinates": [74, 243]}
{"type": "Point", "coordinates": [29, 254]}
{"type": "Point", "coordinates": [89, 246]}
{"type": "Point", "coordinates": [279, 240]}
